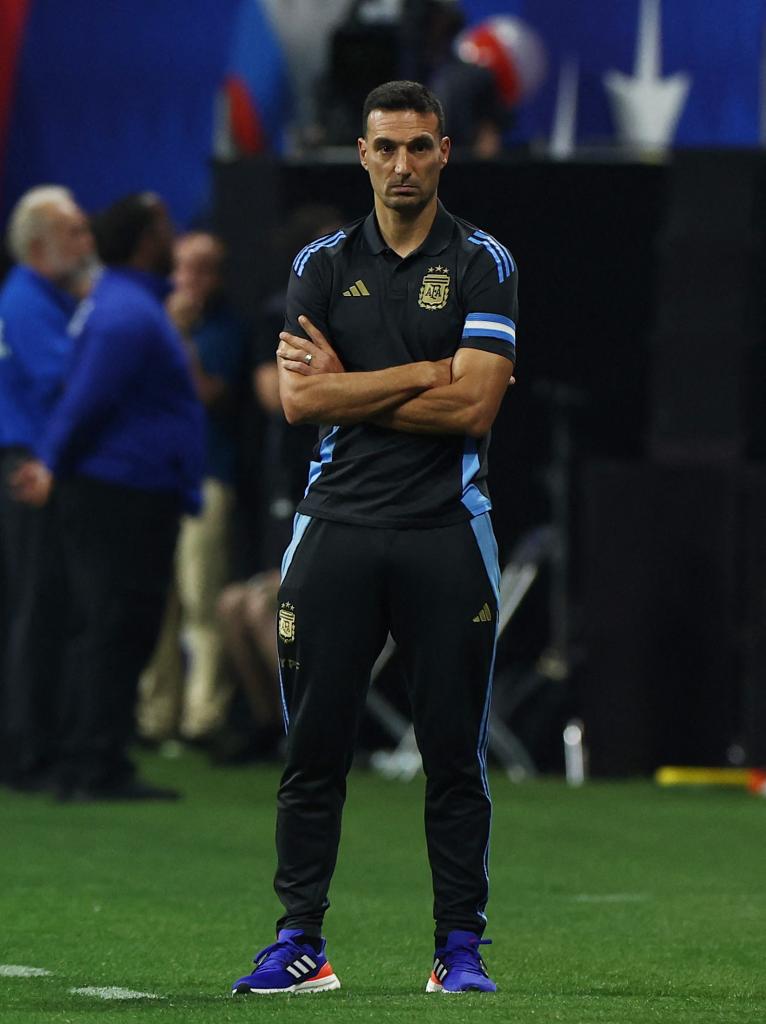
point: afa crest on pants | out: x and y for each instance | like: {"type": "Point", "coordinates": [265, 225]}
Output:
{"type": "Point", "coordinates": [287, 622]}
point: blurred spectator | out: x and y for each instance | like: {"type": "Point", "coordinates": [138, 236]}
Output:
{"type": "Point", "coordinates": [247, 613]}
{"type": "Point", "coordinates": [52, 244]}
{"type": "Point", "coordinates": [388, 39]}
{"type": "Point", "coordinates": [287, 450]}
{"type": "Point", "coordinates": [176, 699]}
{"type": "Point", "coordinates": [475, 115]}
{"type": "Point", "coordinates": [126, 447]}
{"type": "Point", "coordinates": [247, 609]}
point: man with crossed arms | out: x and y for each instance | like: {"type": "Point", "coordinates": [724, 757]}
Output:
{"type": "Point", "coordinates": [400, 340]}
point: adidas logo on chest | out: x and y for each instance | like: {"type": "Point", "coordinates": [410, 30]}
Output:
{"type": "Point", "coordinates": [358, 290]}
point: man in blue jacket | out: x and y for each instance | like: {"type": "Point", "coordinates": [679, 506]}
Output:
{"type": "Point", "coordinates": [125, 448]}
{"type": "Point", "coordinates": [51, 242]}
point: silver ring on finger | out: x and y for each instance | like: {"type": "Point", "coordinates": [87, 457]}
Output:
{"type": "Point", "coordinates": [307, 359]}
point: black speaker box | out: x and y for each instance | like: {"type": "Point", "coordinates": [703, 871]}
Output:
{"type": "Point", "coordinates": [660, 681]}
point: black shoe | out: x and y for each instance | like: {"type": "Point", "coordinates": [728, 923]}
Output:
{"type": "Point", "coordinates": [128, 790]}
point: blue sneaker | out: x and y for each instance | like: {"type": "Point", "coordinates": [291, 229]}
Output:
{"type": "Point", "coordinates": [458, 966]}
{"type": "Point", "coordinates": [288, 966]}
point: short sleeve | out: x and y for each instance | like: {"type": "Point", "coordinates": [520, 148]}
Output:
{"type": "Point", "coordinates": [309, 287]}
{"type": "Point", "coordinates": [490, 298]}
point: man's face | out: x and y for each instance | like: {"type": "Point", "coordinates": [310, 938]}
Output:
{"type": "Point", "coordinates": [66, 250]}
{"type": "Point", "coordinates": [197, 267]}
{"type": "Point", "coordinates": [404, 156]}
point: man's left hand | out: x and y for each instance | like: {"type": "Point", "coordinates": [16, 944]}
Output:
{"type": "Point", "coordinates": [32, 483]}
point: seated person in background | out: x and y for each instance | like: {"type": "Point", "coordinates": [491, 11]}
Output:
{"type": "Point", "coordinates": [183, 691]}
{"type": "Point", "coordinates": [247, 612]}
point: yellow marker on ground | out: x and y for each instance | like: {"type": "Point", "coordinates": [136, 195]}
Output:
{"type": "Point", "coordinates": [743, 778]}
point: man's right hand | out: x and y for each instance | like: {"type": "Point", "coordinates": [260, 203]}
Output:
{"type": "Point", "coordinates": [184, 310]}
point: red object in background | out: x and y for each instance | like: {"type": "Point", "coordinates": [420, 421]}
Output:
{"type": "Point", "coordinates": [512, 51]}
{"type": "Point", "coordinates": [757, 782]}
{"type": "Point", "coordinates": [13, 18]}
{"type": "Point", "coordinates": [246, 128]}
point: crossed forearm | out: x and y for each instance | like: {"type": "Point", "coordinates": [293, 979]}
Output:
{"type": "Point", "coordinates": [346, 398]}
{"type": "Point", "coordinates": [458, 396]}
{"type": "Point", "coordinates": [442, 410]}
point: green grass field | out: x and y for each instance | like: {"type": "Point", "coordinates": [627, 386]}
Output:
{"type": "Point", "coordinates": [615, 903]}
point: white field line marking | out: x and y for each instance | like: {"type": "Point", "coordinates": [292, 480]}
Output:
{"type": "Point", "coordinates": [111, 993]}
{"type": "Point", "coordinates": [614, 897]}
{"type": "Point", "coordinates": [18, 971]}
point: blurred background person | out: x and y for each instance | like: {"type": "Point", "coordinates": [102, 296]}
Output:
{"type": "Point", "coordinates": [469, 94]}
{"type": "Point", "coordinates": [247, 609]}
{"type": "Point", "coordinates": [287, 450]}
{"type": "Point", "coordinates": [125, 447]}
{"type": "Point", "coordinates": [247, 612]}
{"type": "Point", "coordinates": [183, 692]}
{"type": "Point", "coordinates": [379, 40]}
{"type": "Point", "coordinates": [51, 242]}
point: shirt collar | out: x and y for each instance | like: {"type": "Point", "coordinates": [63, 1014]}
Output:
{"type": "Point", "coordinates": [436, 241]}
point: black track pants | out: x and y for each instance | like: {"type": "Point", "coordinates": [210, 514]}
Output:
{"type": "Point", "coordinates": [36, 623]}
{"type": "Point", "coordinates": [119, 542]}
{"type": "Point", "coordinates": [344, 587]}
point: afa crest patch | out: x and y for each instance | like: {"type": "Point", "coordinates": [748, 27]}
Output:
{"type": "Point", "coordinates": [287, 622]}
{"type": "Point", "coordinates": [434, 291]}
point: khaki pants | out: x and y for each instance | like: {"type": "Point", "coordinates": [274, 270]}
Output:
{"type": "Point", "coordinates": [188, 695]}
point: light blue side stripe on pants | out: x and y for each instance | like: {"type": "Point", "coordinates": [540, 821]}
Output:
{"type": "Point", "coordinates": [300, 525]}
{"type": "Point", "coordinates": [485, 538]}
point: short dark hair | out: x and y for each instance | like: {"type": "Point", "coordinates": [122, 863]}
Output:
{"type": "Point", "coordinates": [118, 229]}
{"type": "Point", "coordinates": [403, 96]}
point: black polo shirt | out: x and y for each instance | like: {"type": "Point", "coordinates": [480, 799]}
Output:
{"type": "Point", "coordinates": [457, 290]}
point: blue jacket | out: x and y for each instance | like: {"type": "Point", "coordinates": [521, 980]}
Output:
{"type": "Point", "coordinates": [129, 414]}
{"type": "Point", "coordinates": [35, 350]}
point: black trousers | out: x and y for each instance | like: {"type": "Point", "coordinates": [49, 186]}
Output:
{"type": "Point", "coordinates": [35, 605]}
{"type": "Point", "coordinates": [344, 587]}
{"type": "Point", "coordinates": [119, 544]}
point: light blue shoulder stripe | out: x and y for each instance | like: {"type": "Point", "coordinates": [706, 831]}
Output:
{"type": "Point", "coordinates": [501, 256]}
{"type": "Point", "coordinates": [493, 254]}
{"type": "Point", "coordinates": [299, 265]}
{"type": "Point", "coordinates": [505, 254]}
{"type": "Point", "coordinates": [309, 246]}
